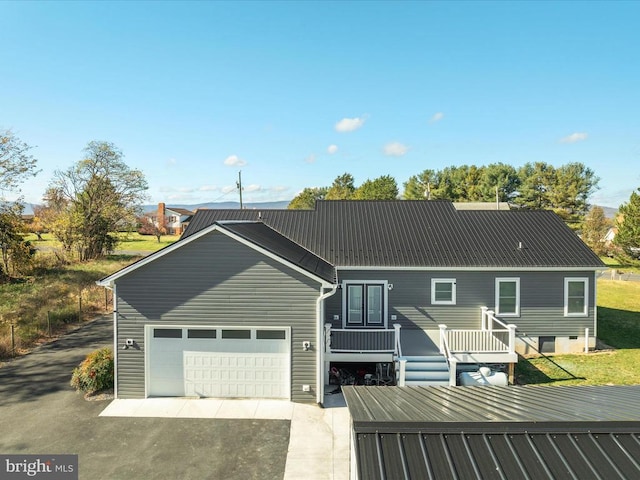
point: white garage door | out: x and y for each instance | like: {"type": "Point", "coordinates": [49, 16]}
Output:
{"type": "Point", "coordinates": [218, 362]}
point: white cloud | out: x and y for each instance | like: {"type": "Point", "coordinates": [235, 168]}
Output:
{"type": "Point", "coordinates": [310, 159]}
{"type": "Point", "coordinates": [180, 197]}
{"type": "Point", "coordinates": [279, 188]}
{"type": "Point", "coordinates": [436, 117]}
{"type": "Point", "coordinates": [171, 162]}
{"type": "Point", "coordinates": [229, 188]}
{"type": "Point", "coordinates": [234, 161]}
{"type": "Point", "coordinates": [349, 124]}
{"type": "Point", "coordinates": [395, 149]}
{"type": "Point", "coordinates": [172, 188]}
{"type": "Point", "coordinates": [574, 137]}
{"type": "Point", "coordinates": [331, 149]}
{"type": "Point", "coordinates": [208, 188]}
{"type": "Point", "coordinates": [252, 188]}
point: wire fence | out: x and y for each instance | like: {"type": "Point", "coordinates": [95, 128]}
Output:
{"type": "Point", "coordinates": [17, 336]}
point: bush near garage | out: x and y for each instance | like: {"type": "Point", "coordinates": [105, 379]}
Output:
{"type": "Point", "coordinates": [95, 373]}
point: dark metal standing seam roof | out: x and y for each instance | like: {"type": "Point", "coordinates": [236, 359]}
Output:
{"type": "Point", "coordinates": [267, 238]}
{"type": "Point", "coordinates": [533, 432]}
{"type": "Point", "coordinates": [409, 233]}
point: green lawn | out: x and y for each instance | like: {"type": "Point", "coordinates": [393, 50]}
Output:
{"type": "Point", "coordinates": [144, 243]}
{"type": "Point", "coordinates": [618, 327]}
{"type": "Point", "coordinates": [128, 241]}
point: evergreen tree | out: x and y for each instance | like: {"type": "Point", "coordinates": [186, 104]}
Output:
{"type": "Point", "coordinates": [342, 188]}
{"type": "Point", "coordinates": [628, 237]}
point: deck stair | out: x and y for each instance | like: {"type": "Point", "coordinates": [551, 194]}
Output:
{"type": "Point", "coordinates": [428, 370]}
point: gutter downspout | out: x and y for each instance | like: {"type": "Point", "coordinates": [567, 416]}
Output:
{"type": "Point", "coordinates": [320, 343]}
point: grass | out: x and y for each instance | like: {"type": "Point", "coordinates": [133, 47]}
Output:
{"type": "Point", "coordinates": [53, 300]}
{"type": "Point", "coordinates": [144, 243]}
{"type": "Point", "coordinates": [618, 327]}
{"type": "Point", "coordinates": [57, 297]}
{"type": "Point", "coordinates": [132, 242]}
{"type": "Point", "coordinates": [615, 264]}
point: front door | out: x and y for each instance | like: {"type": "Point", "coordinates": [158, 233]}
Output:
{"type": "Point", "coordinates": [365, 305]}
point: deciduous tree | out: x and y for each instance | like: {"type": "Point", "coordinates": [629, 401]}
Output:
{"type": "Point", "coordinates": [381, 188]}
{"type": "Point", "coordinates": [16, 163]}
{"type": "Point", "coordinates": [94, 197]}
{"type": "Point", "coordinates": [594, 229]}
{"type": "Point", "coordinates": [16, 253]}
{"type": "Point", "coordinates": [148, 225]}
{"type": "Point", "coordinates": [306, 200]}
{"type": "Point", "coordinates": [421, 186]}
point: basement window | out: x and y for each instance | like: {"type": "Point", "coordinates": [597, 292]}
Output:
{"type": "Point", "coordinates": [547, 344]}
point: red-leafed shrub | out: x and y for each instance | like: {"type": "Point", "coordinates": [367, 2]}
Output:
{"type": "Point", "coordinates": [95, 373]}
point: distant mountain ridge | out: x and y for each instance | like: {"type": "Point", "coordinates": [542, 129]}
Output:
{"type": "Point", "coordinates": [223, 206]}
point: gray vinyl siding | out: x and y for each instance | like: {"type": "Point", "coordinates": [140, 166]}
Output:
{"type": "Point", "coordinates": [541, 300]}
{"type": "Point", "coordinates": [216, 280]}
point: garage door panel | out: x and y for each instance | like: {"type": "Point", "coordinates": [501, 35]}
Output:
{"type": "Point", "coordinates": [191, 365]}
{"type": "Point", "coordinates": [235, 374]}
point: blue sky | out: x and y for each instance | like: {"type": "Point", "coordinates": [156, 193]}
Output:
{"type": "Point", "coordinates": [297, 93]}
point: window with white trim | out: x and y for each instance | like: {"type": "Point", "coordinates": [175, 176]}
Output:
{"type": "Point", "coordinates": [576, 297]}
{"type": "Point", "coordinates": [508, 297]}
{"type": "Point", "coordinates": [443, 291]}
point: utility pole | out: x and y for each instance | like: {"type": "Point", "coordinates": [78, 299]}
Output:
{"type": "Point", "coordinates": [239, 185]}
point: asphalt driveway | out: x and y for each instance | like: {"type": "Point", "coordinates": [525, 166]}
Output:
{"type": "Point", "coordinates": [41, 414]}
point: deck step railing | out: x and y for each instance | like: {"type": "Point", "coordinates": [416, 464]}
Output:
{"type": "Point", "coordinates": [486, 340]}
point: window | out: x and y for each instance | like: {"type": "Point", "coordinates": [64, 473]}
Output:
{"type": "Point", "coordinates": [443, 291]}
{"type": "Point", "coordinates": [576, 303]}
{"type": "Point", "coordinates": [243, 334]}
{"type": "Point", "coordinates": [365, 304]}
{"type": "Point", "coordinates": [167, 333]}
{"type": "Point", "coordinates": [271, 335]}
{"type": "Point", "coordinates": [201, 333]}
{"type": "Point", "coordinates": [508, 297]}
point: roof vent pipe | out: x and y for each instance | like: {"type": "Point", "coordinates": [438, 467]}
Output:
{"type": "Point", "coordinates": [519, 245]}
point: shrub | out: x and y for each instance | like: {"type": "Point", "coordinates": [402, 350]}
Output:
{"type": "Point", "coordinates": [95, 373]}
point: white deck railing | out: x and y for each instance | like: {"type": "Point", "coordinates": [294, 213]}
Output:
{"type": "Point", "coordinates": [358, 340]}
{"type": "Point", "coordinates": [486, 340]}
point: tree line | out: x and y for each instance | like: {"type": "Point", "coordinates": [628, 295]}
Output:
{"type": "Point", "coordinates": [565, 189]}
{"type": "Point", "coordinates": [94, 197]}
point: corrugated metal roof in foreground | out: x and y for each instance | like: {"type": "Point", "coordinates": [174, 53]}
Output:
{"type": "Point", "coordinates": [466, 406]}
{"type": "Point", "coordinates": [559, 456]}
{"type": "Point", "coordinates": [532, 432]}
